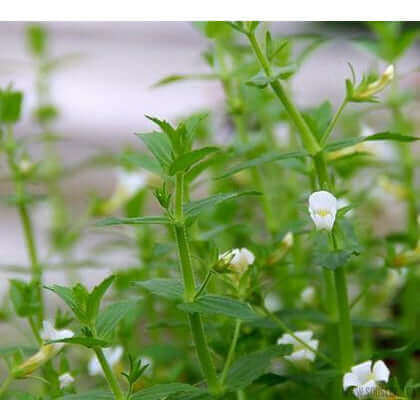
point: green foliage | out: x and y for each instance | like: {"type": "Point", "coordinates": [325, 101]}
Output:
{"type": "Point", "coordinates": [250, 367]}
{"type": "Point", "coordinates": [10, 106]}
{"type": "Point", "coordinates": [24, 297]}
{"type": "Point", "coordinates": [36, 38]}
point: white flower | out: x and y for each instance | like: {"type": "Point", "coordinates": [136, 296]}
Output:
{"type": "Point", "coordinates": [323, 208]}
{"type": "Point", "coordinates": [46, 351]}
{"type": "Point", "coordinates": [378, 85]}
{"type": "Point", "coordinates": [288, 240]}
{"type": "Point", "coordinates": [238, 260]}
{"type": "Point", "coordinates": [49, 333]}
{"type": "Point", "coordinates": [65, 380]}
{"type": "Point", "coordinates": [133, 181]}
{"type": "Point", "coordinates": [300, 352]}
{"type": "Point", "coordinates": [145, 360]}
{"type": "Point", "coordinates": [272, 302]}
{"type": "Point", "coordinates": [308, 295]}
{"type": "Point", "coordinates": [112, 356]}
{"type": "Point", "coordinates": [365, 378]}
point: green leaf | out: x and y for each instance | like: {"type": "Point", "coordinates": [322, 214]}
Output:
{"type": "Point", "coordinates": [342, 144]}
{"type": "Point", "coordinates": [185, 161]}
{"type": "Point", "coordinates": [387, 135]}
{"type": "Point", "coordinates": [36, 38]}
{"type": "Point", "coordinates": [221, 305]}
{"type": "Point", "coordinates": [70, 299]}
{"type": "Point", "coordinates": [10, 106]}
{"type": "Point", "coordinates": [249, 368]}
{"type": "Point", "coordinates": [93, 394]}
{"type": "Point", "coordinates": [267, 158]}
{"type": "Point", "coordinates": [173, 78]}
{"type": "Point", "coordinates": [332, 259]}
{"type": "Point", "coordinates": [89, 342]}
{"type": "Point", "coordinates": [109, 318]}
{"type": "Point", "coordinates": [319, 118]}
{"type": "Point", "coordinates": [24, 297]}
{"type": "Point", "coordinates": [95, 297]}
{"type": "Point", "coordinates": [145, 220]}
{"type": "Point", "coordinates": [165, 391]}
{"type": "Point", "coordinates": [140, 160]}
{"type": "Point", "coordinates": [260, 80]}
{"type": "Point", "coordinates": [160, 147]}
{"type": "Point", "coordinates": [194, 208]}
{"type": "Point", "coordinates": [166, 288]}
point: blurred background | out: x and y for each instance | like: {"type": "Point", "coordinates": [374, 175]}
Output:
{"type": "Point", "coordinates": [103, 88]}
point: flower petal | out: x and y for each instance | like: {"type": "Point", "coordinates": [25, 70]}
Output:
{"type": "Point", "coordinates": [364, 390]}
{"type": "Point", "coordinates": [380, 371]}
{"type": "Point", "coordinates": [362, 371]}
{"type": "Point", "coordinates": [350, 379]}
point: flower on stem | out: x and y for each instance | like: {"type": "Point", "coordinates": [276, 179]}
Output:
{"type": "Point", "coordinates": [308, 295]}
{"type": "Point", "coordinates": [322, 209]}
{"type": "Point", "coordinates": [112, 356]}
{"type": "Point", "coordinates": [283, 248]}
{"type": "Point", "coordinates": [300, 352]}
{"type": "Point", "coordinates": [46, 352]}
{"type": "Point", "coordinates": [129, 183]}
{"type": "Point", "coordinates": [364, 378]}
{"type": "Point", "coordinates": [65, 380]}
{"type": "Point", "coordinates": [368, 87]}
{"type": "Point", "coordinates": [236, 260]}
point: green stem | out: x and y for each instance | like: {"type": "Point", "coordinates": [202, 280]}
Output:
{"type": "Point", "coordinates": [109, 375]}
{"type": "Point", "coordinates": [196, 324]}
{"type": "Point", "coordinates": [26, 222]}
{"type": "Point", "coordinates": [309, 141]}
{"type": "Point", "coordinates": [231, 352]}
{"type": "Point", "coordinates": [5, 385]}
{"type": "Point", "coordinates": [333, 122]}
{"type": "Point", "coordinates": [344, 320]}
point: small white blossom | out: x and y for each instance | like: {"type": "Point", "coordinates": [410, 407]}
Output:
{"type": "Point", "coordinates": [288, 240]}
{"type": "Point", "coordinates": [308, 295]}
{"type": "Point", "coordinates": [272, 302]}
{"type": "Point", "coordinates": [364, 378]}
{"type": "Point", "coordinates": [322, 209]}
{"type": "Point", "coordinates": [238, 260]}
{"type": "Point", "coordinates": [300, 352]}
{"type": "Point", "coordinates": [49, 333]}
{"type": "Point", "coordinates": [65, 380]}
{"type": "Point", "coordinates": [145, 360]}
{"type": "Point", "coordinates": [112, 356]}
{"type": "Point", "coordinates": [132, 181]}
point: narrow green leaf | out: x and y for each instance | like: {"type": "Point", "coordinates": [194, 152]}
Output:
{"type": "Point", "coordinates": [185, 161]}
{"type": "Point", "coordinates": [261, 160]}
{"type": "Point", "coordinates": [145, 220]}
{"type": "Point", "coordinates": [140, 160]}
{"type": "Point", "coordinates": [174, 391]}
{"type": "Point", "coordinates": [221, 305]}
{"type": "Point", "coordinates": [93, 394]}
{"type": "Point", "coordinates": [95, 297]}
{"type": "Point", "coordinates": [69, 298]}
{"type": "Point", "coordinates": [89, 342]}
{"type": "Point", "coordinates": [160, 147]}
{"type": "Point", "coordinates": [166, 288]}
{"type": "Point", "coordinates": [109, 318]}
{"type": "Point", "coordinates": [387, 135]}
{"type": "Point", "coordinates": [194, 208]}
{"type": "Point", "coordinates": [249, 368]}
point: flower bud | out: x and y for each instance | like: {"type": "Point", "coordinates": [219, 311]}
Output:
{"type": "Point", "coordinates": [65, 380]}
{"type": "Point", "coordinates": [367, 91]}
{"type": "Point", "coordinates": [322, 209]}
{"type": "Point", "coordinates": [236, 260]}
{"type": "Point", "coordinates": [46, 352]}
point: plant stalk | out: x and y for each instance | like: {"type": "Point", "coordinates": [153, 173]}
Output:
{"type": "Point", "coordinates": [109, 375]}
{"type": "Point", "coordinates": [196, 324]}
